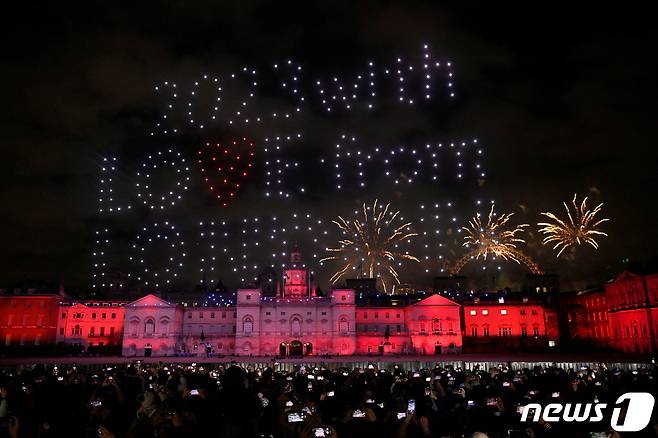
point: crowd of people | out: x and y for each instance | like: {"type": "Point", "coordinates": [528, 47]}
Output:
{"type": "Point", "coordinates": [140, 400]}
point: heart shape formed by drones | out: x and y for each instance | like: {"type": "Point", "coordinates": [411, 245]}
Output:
{"type": "Point", "coordinates": [226, 167]}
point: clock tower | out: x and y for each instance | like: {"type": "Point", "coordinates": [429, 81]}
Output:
{"type": "Point", "coordinates": [296, 278]}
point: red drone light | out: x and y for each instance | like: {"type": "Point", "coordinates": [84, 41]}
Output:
{"type": "Point", "coordinates": [235, 163]}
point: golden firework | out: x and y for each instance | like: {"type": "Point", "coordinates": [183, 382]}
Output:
{"type": "Point", "coordinates": [496, 237]}
{"type": "Point", "coordinates": [580, 227]}
{"type": "Point", "coordinates": [371, 245]}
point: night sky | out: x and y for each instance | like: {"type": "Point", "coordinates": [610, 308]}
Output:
{"type": "Point", "coordinates": [562, 101]}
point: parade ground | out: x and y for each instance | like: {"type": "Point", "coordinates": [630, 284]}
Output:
{"type": "Point", "coordinates": [466, 361]}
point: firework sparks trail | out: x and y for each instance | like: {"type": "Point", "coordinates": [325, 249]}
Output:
{"type": "Point", "coordinates": [580, 227]}
{"type": "Point", "coordinates": [496, 237]}
{"type": "Point", "coordinates": [372, 245]}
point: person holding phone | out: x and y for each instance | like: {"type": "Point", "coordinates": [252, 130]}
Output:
{"type": "Point", "coordinates": [413, 424]}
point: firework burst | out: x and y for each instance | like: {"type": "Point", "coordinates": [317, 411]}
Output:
{"type": "Point", "coordinates": [371, 245]}
{"type": "Point", "coordinates": [580, 227]}
{"type": "Point", "coordinates": [496, 237]}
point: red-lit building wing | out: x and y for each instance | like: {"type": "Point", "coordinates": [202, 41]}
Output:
{"type": "Point", "coordinates": [632, 313]}
{"type": "Point", "coordinates": [28, 319]}
{"type": "Point", "coordinates": [90, 323]}
{"type": "Point", "coordinates": [621, 315]}
{"type": "Point", "coordinates": [508, 324]}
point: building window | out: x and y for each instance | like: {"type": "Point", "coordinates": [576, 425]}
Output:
{"type": "Point", "coordinates": [399, 328]}
{"type": "Point", "coordinates": [504, 331]}
{"type": "Point", "coordinates": [200, 315]}
{"type": "Point", "coordinates": [114, 316]}
{"type": "Point", "coordinates": [189, 315]}
{"type": "Point", "coordinates": [212, 315]}
{"type": "Point", "coordinates": [61, 331]}
{"type": "Point", "coordinates": [376, 315]}
{"type": "Point", "coordinates": [485, 331]}
{"type": "Point", "coordinates": [343, 326]}
{"type": "Point", "coordinates": [503, 311]}
{"type": "Point", "coordinates": [247, 325]}
{"type": "Point", "coordinates": [102, 331]}
{"type": "Point", "coordinates": [485, 312]}
{"type": "Point", "coordinates": [283, 313]}
{"type": "Point", "coordinates": [535, 331]}
{"type": "Point", "coordinates": [524, 331]}
{"type": "Point", "coordinates": [473, 312]}
{"type": "Point", "coordinates": [365, 315]}
{"type": "Point", "coordinates": [534, 312]}
{"type": "Point", "coordinates": [295, 327]}
{"type": "Point", "coordinates": [474, 332]}
{"type": "Point", "coordinates": [522, 312]}
{"type": "Point", "coordinates": [223, 315]}
{"type": "Point", "coordinates": [111, 331]}
{"type": "Point", "coordinates": [63, 315]}
{"type": "Point", "coordinates": [343, 298]}
{"type": "Point", "coordinates": [436, 326]}
{"type": "Point", "coordinates": [249, 297]}
{"type": "Point", "coordinates": [387, 315]}
{"type": "Point", "coordinates": [149, 327]}
{"type": "Point", "coordinates": [93, 316]}
{"type": "Point", "coordinates": [104, 315]}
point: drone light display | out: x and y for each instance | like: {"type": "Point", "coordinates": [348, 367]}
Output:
{"type": "Point", "coordinates": [371, 245]}
{"type": "Point", "coordinates": [276, 181]}
{"type": "Point", "coordinates": [224, 168]}
{"type": "Point", "coordinates": [580, 226]}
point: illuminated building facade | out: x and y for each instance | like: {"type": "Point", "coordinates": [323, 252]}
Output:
{"type": "Point", "coordinates": [622, 315]}
{"type": "Point", "coordinates": [587, 315]}
{"type": "Point", "coordinates": [295, 322]}
{"type": "Point", "coordinates": [502, 323]}
{"type": "Point", "coordinates": [632, 307]}
{"type": "Point", "coordinates": [430, 326]}
{"type": "Point", "coordinates": [90, 323]}
{"type": "Point", "coordinates": [28, 319]}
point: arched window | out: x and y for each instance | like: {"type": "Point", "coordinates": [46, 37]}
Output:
{"type": "Point", "coordinates": [436, 326]}
{"type": "Point", "coordinates": [421, 324]}
{"type": "Point", "coordinates": [296, 326]}
{"type": "Point", "coordinates": [343, 325]}
{"type": "Point", "coordinates": [149, 327]}
{"type": "Point", "coordinates": [247, 325]}
{"type": "Point", "coordinates": [164, 326]}
{"type": "Point", "coordinates": [134, 327]}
